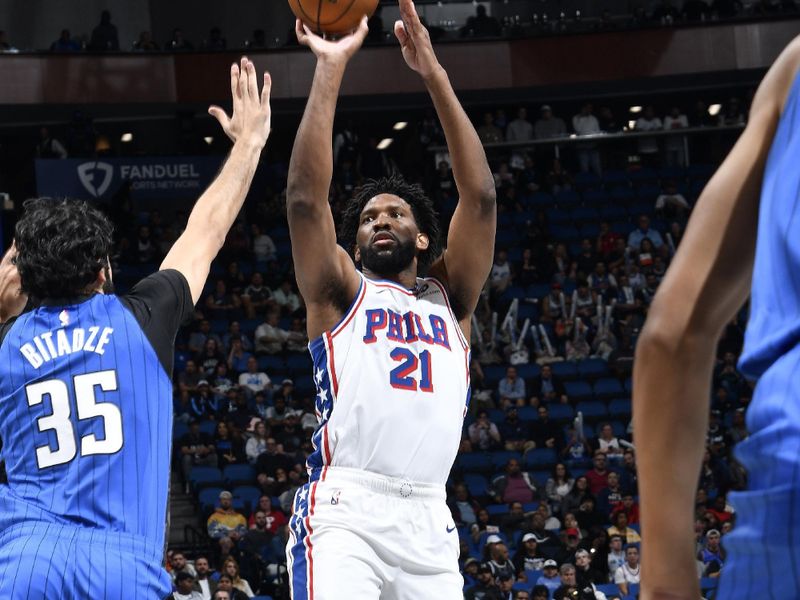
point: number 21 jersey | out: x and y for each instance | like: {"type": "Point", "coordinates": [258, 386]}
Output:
{"type": "Point", "coordinates": [392, 384]}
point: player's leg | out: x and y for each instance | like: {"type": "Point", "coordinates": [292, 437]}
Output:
{"type": "Point", "coordinates": [326, 559]}
{"type": "Point", "coordinates": [32, 568]}
{"type": "Point", "coordinates": [764, 546]}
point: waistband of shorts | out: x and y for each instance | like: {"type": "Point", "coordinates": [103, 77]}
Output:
{"type": "Point", "coordinates": [382, 484]}
{"type": "Point", "coordinates": [136, 545]}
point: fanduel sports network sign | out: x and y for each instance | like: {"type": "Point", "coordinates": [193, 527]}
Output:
{"type": "Point", "coordinates": [162, 178]}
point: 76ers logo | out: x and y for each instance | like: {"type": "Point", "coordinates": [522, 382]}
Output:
{"type": "Point", "coordinates": [335, 497]}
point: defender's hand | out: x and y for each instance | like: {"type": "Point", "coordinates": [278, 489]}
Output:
{"type": "Point", "coordinates": [415, 41]}
{"type": "Point", "coordinates": [252, 115]}
{"type": "Point", "coordinates": [339, 50]}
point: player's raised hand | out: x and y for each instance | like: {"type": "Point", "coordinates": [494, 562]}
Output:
{"type": "Point", "coordinates": [415, 40]}
{"type": "Point", "coordinates": [340, 50]}
{"type": "Point", "coordinates": [252, 116]}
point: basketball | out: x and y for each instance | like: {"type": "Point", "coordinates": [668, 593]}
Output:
{"type": "Point", "coordinates": [332, 16]}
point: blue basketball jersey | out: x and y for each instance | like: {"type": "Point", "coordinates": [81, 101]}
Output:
{"type": "Point", "coordinates": [86, 412]}
{"type": "Point", "coordinates": [774, 326]}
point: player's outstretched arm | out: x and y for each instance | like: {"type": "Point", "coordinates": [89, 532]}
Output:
{"type": "Point", "coordinates": [214, 213]}
{"type": "Point", "coordinates": [470, 242]}
{"type": "Point", "coordinates": [326, 275]}
{"type": "Point", "coordinates": [707, 283]}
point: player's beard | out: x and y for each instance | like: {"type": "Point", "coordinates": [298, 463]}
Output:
{"type": "Point", "coordinates": [388, 261]}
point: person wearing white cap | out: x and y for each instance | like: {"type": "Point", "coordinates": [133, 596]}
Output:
{"type": "Point", "coordinates": [528, 557]}
{"type": "Point", "coordinates": [550, 577]}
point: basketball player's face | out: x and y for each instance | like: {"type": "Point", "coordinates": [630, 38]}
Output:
{"type": "Point", "coordinates": [12, 300]}
{"type": "Point", "coordinates": [388, 238]}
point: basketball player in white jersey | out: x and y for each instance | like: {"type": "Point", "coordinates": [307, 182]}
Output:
{"type": "Point", "coordinates": [390, 349]}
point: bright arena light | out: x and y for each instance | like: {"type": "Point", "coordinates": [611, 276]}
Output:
{"type": "Point", "coordinates": [714, 109]}
{"type": "Point", "coordinates": [400, 125]}
{"type": "Point", "coordinates": [385, 143]}
{"type": "Point", "coordinates": [127, 137]}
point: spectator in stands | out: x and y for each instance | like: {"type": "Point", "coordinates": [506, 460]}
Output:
{"type": "Point", "coordinates": [234, 278]}
{"type": "Point", "coordinates": [221, 383]}
{"type": "Point", "coordinates": [738, 430]}
{"type": "Point", "coordinates": [546, 433]}
{"type": "Point", "coordinates": [608, 443]}
{"type": "Point", "coordinates": [221, 304]}
{"type": "Point", "coordinates": [585, 574]}
{"type": "Point", "coordinates": [481, 24]}
{"type": "Point", "coordinates": [203, 582]}
{"type": "Point", "coordinates": [547, 388]}
{"type": "Point", "coordinates": [511, 389]}
{"type": "Point", "coordinates": [528, 557]}
{"type": "Point", "coordinates": [628, 573]}
{"type": "Point", "coordinates": [540, 592]}
{"type": "Point", "coordinates": [215, 41]}
{"type": "Point", "coordinates": [576, 446]}
{"type": "Point", "coordinates": [514, 521]}
{"type": "Point", "coordinates": [196, 449]}
{"type": "Point", "coordinates": [514, 486]}
{"type": "Point", "coordinates": [486, 588]}
{"type": "Point", "coordinates": [620, 527]}
{"type": "Point", "coordinates": [601, 281]}
{"type": "Point", "coordinates": [608, 122]}
{"type": "Point", "coordinates": [520, 129]}
{"type": "Point", "coordinates": [104, 36]}
{"type": "Point", "coordinates": [732, 114]}
{"type": "Point", "coordinates": [546, 540]}
{"type": "Point", "coordinates": [559, 178]}
{"type": "Point", "coordinates": [179, 564]}
{"type": "Point", "coordinates": [499, 562]}
{"type": "Point", "coordinates": [610, 497]}
{"type": "Point", "coordinates": [647, 146]}
{"type": "Point", "coordinates": [506, 585]}
{"type": "Point", "coordinates": [558, 487]}
{"type": "Point", "coordinates": [254, 380]}
{"type": "Point", "coordinates": [616, 554]}
{"type": "Point", "coordinates": [712, 555]}
{"type": "Point", "coordinates": [585, 123]}
{"type": "Point", "coordinates": [145, 43]}
{"type": "Point", "coordinates": [463, 506]}
{"type": "Point", "coordinates": [225, 586]}
{"type": "Point", "coordinates": [198, 339]}
{"type": "Point", "coordinates": [269, 462]}
{"type": "Point", "coordinates": [671, 204]}
{"type": "Point", "coordinates": [675, 145]}
{"type": "Point", "coordinates": [484, 434]}
{"type": "Point", "coordinates": [277, 413]}
{"type": "Point", "coordinates": [263, 247]}
{"type": "Point", "coordinates": [548, 126]}
{"type": "Point", "coordinates": [597, 476]}
{"type": "Point", "coordinates": [257, 297]}
{"type": "Point", "coordinates": [554, 306]}
{"type": "Point", "coordinates": [230, 451]}
{"type": "Point", "coordinates": [257, 444]}
{"type": "Point", "coordinates": [48, 146]}
{"type": "Point", "coordinates": [587, 259]}
{"type": "Point", "coordinates": [238, 356]}
{"type": "Point", "coordinates": [270, 337]}
{"type": "Point", "coordinates": [482, 525]}
{"type": "Point", "coordinates": [231, 568]}
{"type": "Point", "coordinates": [516, 434]}
{"type": "Point", "coordinates": [286, 298]}
{"type": "Point", "coordinates": [629, 506]}
{"type": "Point", "coordinates": [178, 43]}
{"type": "Point", "coordinates": [184, 584]}
{"type": "Point", "coordinates": [225, 523]}
{"type": "Point", "coordinates": [644, 231]}
{"type": "Point", "coordinates": [259, 540]}
{"type": "Point", "coordinates": [209, 358]}
{"type": "Point", "coordinates": [489, 133]}
{"type": "Point", "coordinates": [551, 523]}
{"type": "Point", "coordinates": [550, 578]}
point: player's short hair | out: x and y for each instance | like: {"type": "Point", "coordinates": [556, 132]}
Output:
{"type": "Point", "coordinates": [61, 246]}
{"type": "Point", "coordinates": [421, 206]}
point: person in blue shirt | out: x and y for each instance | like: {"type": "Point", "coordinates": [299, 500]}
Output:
{"type": "Point", "coordinates": [511, 389]}
{"type": "Point", "coordinates": [86, 385]}
{"type": "Point", "coordinates": [742, 240]}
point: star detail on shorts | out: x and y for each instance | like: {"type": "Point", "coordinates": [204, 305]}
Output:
{"type": "Point", "coordinates": [318, 376]}
{"type": "Point", "coordinates": [325, 413]}
{"type": "Point", "coordinates": [303, 494]}
{"type": "Point", "coordinates": [323, 395]}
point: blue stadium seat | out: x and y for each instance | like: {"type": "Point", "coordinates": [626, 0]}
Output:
{"type": "Point", "coordinates": [583, 214]}
{"type": "Point", "coordinates": [642, 175]}
{"type": "Point", "coordinates": [533, 576]}
{"type": "Point", "coordinates": [527, 413]}
{"type": "Point", "coordinates": [613, 212]}
{"type": "Point", "coordinates": [629, 385]}
{"type": "Point", "coordinates": [538, 290]}
{"type": "Point", "coordinates": [208, 427]}
{"type": "Point", "coordinates": [299, 363]}
{"type": "Point", "coordinates": [620, 429]}
{"type": "Point", "coordinates": [592, 410]}
{"type": "Point", "coordinates": [219, 326]}
{"type": "Point", "coordinates": [609, 589]}
{"type": "Point", "coordinates": [584, 181]}
{"type": "Point", "coordinates": [271, 363]}
{"type": "Point", "coordinates": [304, 385]}
{"type": "Point", "coordinates": [528, 310]}
{"type": "Point", "coordinates": [238, 475]}
{"type": "Point", "coordinates": [565, 233]}
{"type": "Point", "coordinates": [476, 484]}
{"type": "Point", "coordinates": [497, 415]}
{"type": "Point", "coordinates": [674, 173]}
{"type": "Point", "coordinates": [492, 374]}
{"type": "Point", "coordinates": [261, 598]}
{"type": "Point", "coordinates": [565, 370]}
{"type": "Point", "coordinates": [208, 499]}
{"type": "Point", "coordinates": [496, 510]}
{"type": "Point", "coordinates": [501, 457]}
{"type": "Point", "coordinates": [614, 178]}
{"type": "Point", "coordinates": [248, 494]}
{"type": "Point", "coordinates": [540, 458]}
{"type": "Point", "coordinates": [203, 477]}
{"type": "Point", "coordinates": [540, 478]}
{"type": "Point", "coordinates": [557, 216]}
{"type": "Point", "coordinates": [578, 390]}
{"type": "Point", "coordinates": [607, 388]}
{"type": "Point", "coordinates": [475, 462]}
{"type": "Point", "coordinates": [623, 194]}
{"type": "Point", "coordinates": [505, 237]}
{"type": "Point", "coordinates": [522, 586]}
{"type": "Point", "coordinates": [179, 429]}
{"type": "Point", "coordinates": [560, 412]}
{"type": "Point", "coordinates": [592, 368]}
{"type": "Point", "coordinates": [620, 408]}
{"type": "Point", "coordinates": [530, 506]}
{"type": "Point", "coordinates": [529, 371]}
{"type": "Point", "coordinates": [596, 197]}
{"type": "Point", "coordinates": [538, 200]}
{"type": "Point", "coordinates": [250, 325]}
{"type": "Point", "coordinates": [566, 198]}
{"type": "Point", "coordinates": [648, 193]}
{"type": "Point", "coordinates": [513, 292]}
{"type": "Point", "coordinates": [708, 584]}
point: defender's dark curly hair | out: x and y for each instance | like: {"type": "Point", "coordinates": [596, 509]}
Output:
{"type": "Point", "coordinates": [421, 206]}
{"type": "Point", "coordinates": [61, 245]}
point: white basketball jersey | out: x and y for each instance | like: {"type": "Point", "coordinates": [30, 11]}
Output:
{"type": "Point", "coordinates": [393, 384]}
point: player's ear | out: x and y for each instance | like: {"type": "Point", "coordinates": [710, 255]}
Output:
{"type": "Point", "coordinates": [423, 241]}
{"type": "Point", "coordinates": [356, 253]}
